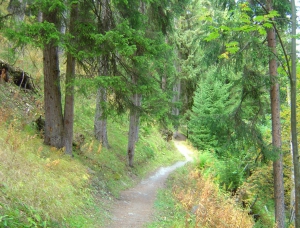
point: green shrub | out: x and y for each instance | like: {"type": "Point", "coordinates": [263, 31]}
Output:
{"type": "Point", "coordinates": [229, 174]}
{"type": "Point", "coordinates": [206, 159]}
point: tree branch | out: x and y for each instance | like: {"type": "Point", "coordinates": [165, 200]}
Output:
{"type": "Point", "coordinates": [280, 41]}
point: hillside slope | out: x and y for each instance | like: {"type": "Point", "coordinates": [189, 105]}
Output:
{"type": "Point", "coordinates": [42, 187]}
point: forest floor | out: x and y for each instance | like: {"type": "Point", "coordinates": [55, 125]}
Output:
{"type": "Point", "coordinates": [134, 208]}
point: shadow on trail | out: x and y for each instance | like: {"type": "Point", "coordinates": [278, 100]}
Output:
{"type": "Point", "coordinates": [135, 206]}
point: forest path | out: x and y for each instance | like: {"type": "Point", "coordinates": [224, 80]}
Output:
{"type": "Point", "coordinates": [134, 208]}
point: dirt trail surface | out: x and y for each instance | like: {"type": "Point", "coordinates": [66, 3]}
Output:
{"type": "Point", "coordinates": [135, 206]}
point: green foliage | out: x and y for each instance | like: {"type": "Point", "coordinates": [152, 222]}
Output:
{"type": "Point", "coordinates": [24, 216]}
{"type": "Point", "coordinates": [232, 47]}
{"type": "Point", "coordinates": [50, 187]}
{"type": "Point", "coordinates": [207, 125]}
{"type": "Point", "coordinates": [230, 174]}
{"type": "Point", "coordinates": [257, 192]}
{"type": "Point", "coordinates": [36, 34]}
{"type": "Point", "coordinates": [206, 160]}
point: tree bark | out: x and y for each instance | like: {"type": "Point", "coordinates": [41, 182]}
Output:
{"type": "Point", "coordinates": [292, 198]}
{"type": "Point", "coordinates": [294, 118]}
{"type": "Point", "coordinates": [52, 92]}
{"type": "Point", "coordinates": [69, 104]}
{"type": "Point", "coordinates": [52, 98]}
{"type": "Point", "coordinates": [133, 126]}
{"type": "Point", "coordinates": [17, 7]}
{"type": "Point", "coordinates": [136, 102]}
{"type": "Point", "coordinates": [276, 128]}
{"type": "Point", "coordinates": [69, 96]}
{"type": "Point", "coordinates": [100, 124]}
{"type": "Point", "coordinates": [164, 74]}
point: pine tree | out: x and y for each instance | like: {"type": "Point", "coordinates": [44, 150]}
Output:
{"type": "Point", "coordinates": [276, 126]}
{"type": "Point", "coordinates": [105, 22]}
{"type": "Point", "coordinates": [47, 35]}
{"type": "Point", "coordinates": [70, 78]}
{"type": "Point", "coordinates": [209, 113]}
{"type": "Point", "coordinates": [52, 91]}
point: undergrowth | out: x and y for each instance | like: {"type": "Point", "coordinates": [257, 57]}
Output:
{"type": "Point", "coordinates": [111, 165]}
{"type": "Point", "coordinates": [194, 201]}
{"type": "Point", "coordinates": [40, 186]}
{"type": "Point", "coordinates": [212, 193]}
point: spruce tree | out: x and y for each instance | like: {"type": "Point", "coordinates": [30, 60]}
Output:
{"type": "Point", "coordinates": [52, 92]}
{"type": "Point", "coordinates": [209, 112]}
{"type": "Point", "coordinates": [105, 22]}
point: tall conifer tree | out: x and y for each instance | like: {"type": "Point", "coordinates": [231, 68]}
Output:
{"type": "Point", "coordinates": [104, 24]}
{"type": "Point", "coordinates": [70, 78]}
{"type": "Point", "coordinates": [52, 90]}
{"type": "Point", "coordinates": [276, 127]}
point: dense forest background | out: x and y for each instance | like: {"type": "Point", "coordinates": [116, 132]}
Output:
{"type": "Point", "coordinates": [98, 88]}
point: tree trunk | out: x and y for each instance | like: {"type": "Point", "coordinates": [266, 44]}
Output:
{"type": "Point", "coordinates": [292, 198]}
{"type": "Point", "coordinates": [100, 124]}
{"type": "Point", "coordinates": [17, 7]}
{"type": "Point", "coordinates": [69, 104]}
{"type": "Point", "coordinates": [175, 109]}
{"type": "Point", "coordinates": [133, 126]}
{"type": "Point", "coordinates": [294, 118]}
{"type": "Point", "coordinates": [164, 82]}
{"type": "Point", "coordinates": [136, 102]}
{"type": "Point", "coordinates": [164, 74]}
{"type": "Point", "coordinates": [176, 93]}
{"type": "Point", "coordinates": [52, 92]}
{"type": "Point", "coordinates": [40, 16]}
{"type": "Point", "coordinates": [276, 128]}
{"type": "Point", "coordinates": [277, 164]}
{"type": "Point", "coordinates": [52, 98]}
{"type": "Point", "coordinates": [69, 96]}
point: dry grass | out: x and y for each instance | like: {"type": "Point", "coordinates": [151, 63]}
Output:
{"type": "Point", "coordinates": [211, 208]}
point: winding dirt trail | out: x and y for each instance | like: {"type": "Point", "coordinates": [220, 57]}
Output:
{"type": "Point", "coordinates": [135, 206]}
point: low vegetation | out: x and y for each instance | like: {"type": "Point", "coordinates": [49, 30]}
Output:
{"type": "Point", "coordinates": [198, 202]}
{"type": "Point", "coordinates": [43, 187]}
{"type": "Point", "coordinates": [200, 195]}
